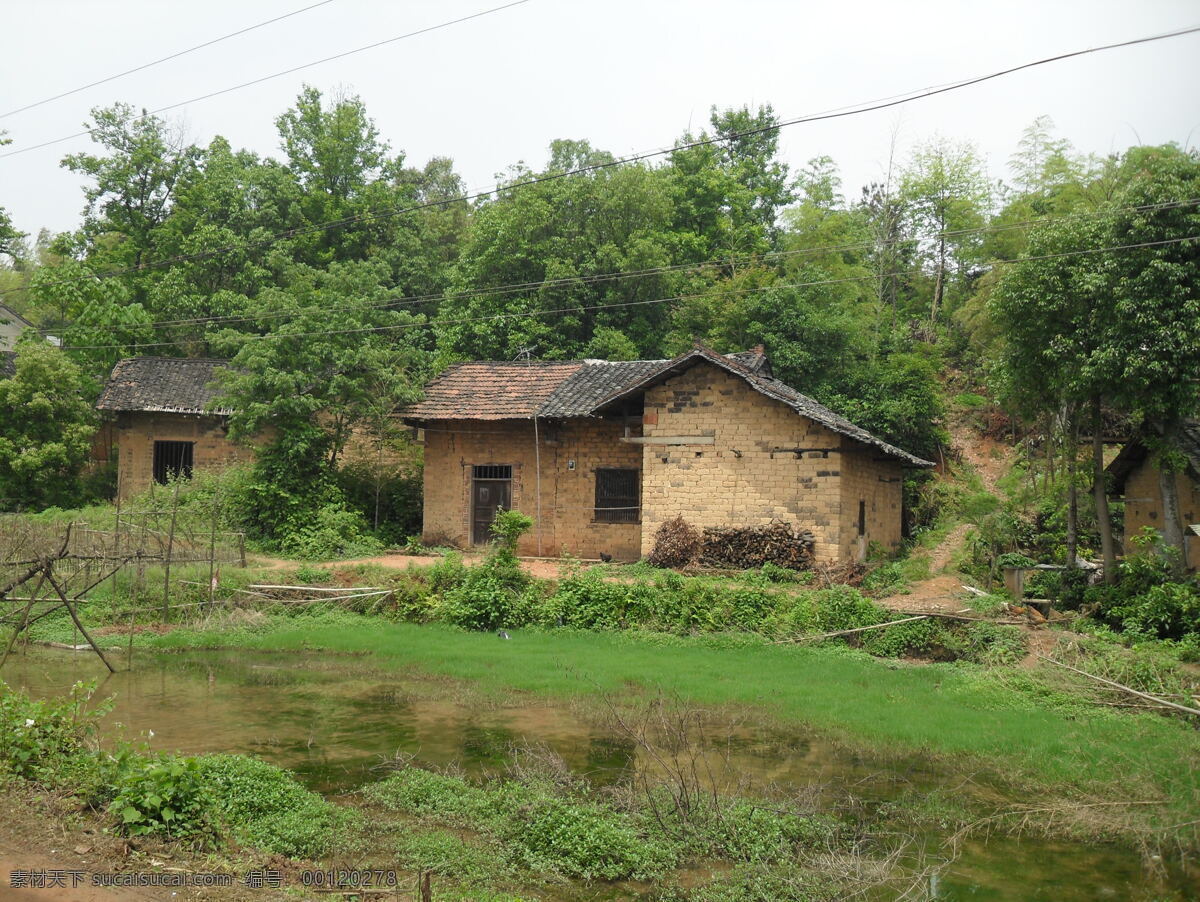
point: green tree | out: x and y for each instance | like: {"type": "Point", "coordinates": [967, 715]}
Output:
{"type": "Point", "coordinates": [561, 241]}
{"type": "Point", "coordinates": [132, 182]}
{"type": "Point", "coordinates": [1116, 325]}
{"type": "Point", "coordinates": [46, 428]}
{"type": "Point", "coordinates": [945, 189]}
{"type": "Point", "coordinates": [302, 389]}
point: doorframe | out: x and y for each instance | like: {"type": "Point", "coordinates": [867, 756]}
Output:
{"type": "Point", "coordinates": [474, 480]}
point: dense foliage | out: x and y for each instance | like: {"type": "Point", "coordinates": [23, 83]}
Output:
{"type": "Point", "coordinates": [339, 277]}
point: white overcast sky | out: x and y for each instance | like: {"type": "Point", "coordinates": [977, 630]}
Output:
{"type": "Point", "coordinates": [629, 76]}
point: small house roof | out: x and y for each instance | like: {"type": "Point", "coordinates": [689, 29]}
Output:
{"type": "Point", "coordinates": [8, 364]}
{"type": "Point", "coordinates": [1134, 454]}
{"type": "Point", "coordinates": [164, 385]}
{"type": "Point", "coordinates": [491, 390]}
{"type": "Point", "coordinates": [7, 314]}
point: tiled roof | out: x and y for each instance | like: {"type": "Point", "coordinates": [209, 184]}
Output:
{"type": "Point", "coordinates": [8, 363]}
{"type": "Point", "coordinates": [163, 384]}
{"type": "Point", "coordinates": [492, 390]}
{"type": "Point", "coordinates": [772, 388]}
{"type": "Point", "coordinates": [579, 393]}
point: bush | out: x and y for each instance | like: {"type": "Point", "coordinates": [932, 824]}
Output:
{"type": "Point", "coordinates": [265, 807]}
{"type": "Point", "coordinates": [393, 494]}
{"type": "Point", "coordinates": [508, 527]}
{"type": "Point", "coordinates": [676, 544]}
{"type": "Point", "coordinates": [582, 840]}
{"type": "Point", "coordinates": [38, 737]}
{"type": "Point", "coordinates": [165, 796]}
{"type": "Point", "coordinates": [331, 531]}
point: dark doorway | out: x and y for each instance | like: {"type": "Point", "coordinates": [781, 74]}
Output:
{"type": "Point", "coordinates": [491, 490]}
{"type": "Point", "coordinates": [172, 460]}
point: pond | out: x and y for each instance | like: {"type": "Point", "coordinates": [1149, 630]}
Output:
{"type": "Point", "coordinates": [334, 719]}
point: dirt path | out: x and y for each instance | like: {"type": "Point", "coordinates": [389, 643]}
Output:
{"type": "Point", "coordinates": [538, 567]}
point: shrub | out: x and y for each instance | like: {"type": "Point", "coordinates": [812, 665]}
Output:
{"type": "Point", "coordinates": [265, 807]}
{"type": "Point", "coordinates": [38, 737]}
{"type": "Point", "coordinates": [844, 608]}
{"type": "Point", "coordinates": [165, 796]}
{"type": "Point", "coordinates": [508, 527]}
{"type": "Point", "coordinates": [676, 544]}
{"type": "Point", "coordinates": [586, 601]}
{"type": "Point", "coordinates": [582, 840]}
{"type": "Point", "coordinates": [331, 531]}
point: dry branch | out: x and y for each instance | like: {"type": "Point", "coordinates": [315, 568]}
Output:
{"type": "Point", "coordinates": [857, 629]}
{"type": "Point", "coordinates": [1099, 679]}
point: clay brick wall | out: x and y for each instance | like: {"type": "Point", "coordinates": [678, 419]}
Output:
{"type": "Point", "coordinates": [137, 433]}
{"type": "Point", "coordinates": [738, 479]}
{"type": "Point", "coordinates": [877, 483]}
{"type": "Point", "coordinates": [567, 524]}
{"type": "Point", "coordinates": [1143, 507]}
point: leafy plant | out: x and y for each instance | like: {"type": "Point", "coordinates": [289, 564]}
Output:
{"type": "Point", "coordinates": [165, 796]}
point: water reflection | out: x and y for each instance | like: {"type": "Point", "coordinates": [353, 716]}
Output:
{"type": "Point", "coordinates": [334, 720]}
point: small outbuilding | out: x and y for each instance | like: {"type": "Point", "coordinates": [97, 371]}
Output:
{"type": "Point", "coordinates": [165, 424]}
{"type": "Point", "coordinates": [12, 326]}
{"type": "Point", "coordinates": [601, 453]}
{"type": "Point", "coordinates": [1136, 477]}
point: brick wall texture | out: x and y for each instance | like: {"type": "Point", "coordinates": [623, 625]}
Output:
{"type": "Point", "coordinates": [567, 525]}
{"type": "Point", "coordinates": [137, 432]}
{"type": "Point", "coordinates": [1143, 507]}
{"type": "Point", "coordinates": [740, 479]}
{"type": "Point", "coordinates": [737, 479]}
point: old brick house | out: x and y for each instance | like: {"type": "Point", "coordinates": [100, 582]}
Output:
{"type": "Point", "coordinates": [601, 453]}
{"type": "Point", "coordinates": [1135, 476]}
{"type": "Point", "coordinates": [164, 426]}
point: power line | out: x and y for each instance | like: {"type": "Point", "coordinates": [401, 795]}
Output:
{"type": "Point", "coordinates": [510, 288]}
{"type": "Point", "coordinates": [280, 74]}
{"type": "Point", "coordinates": [594, 307]}
{"type": "Point", "coordinates": [173, 56]}
{"type": "Point", "coordinates": [870, 106]}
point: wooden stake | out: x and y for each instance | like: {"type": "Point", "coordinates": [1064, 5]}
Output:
{"type": "Point", "coordinates": [167, 565]}
{"type": "Point", "coordinates": [24, 619]}
{"type": "Point", "coordinates": [75, 617]}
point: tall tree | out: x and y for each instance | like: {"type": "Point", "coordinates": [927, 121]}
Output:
{"type": "Point", "coordinates": [133, 180]}
{"type": "Point", "coordinates": [945, 193]}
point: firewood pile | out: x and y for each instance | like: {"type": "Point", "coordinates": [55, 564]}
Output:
{"type": "Point", "coordinates": [744, 548]}
{"type": "Point", "coordinates": [676, 544]}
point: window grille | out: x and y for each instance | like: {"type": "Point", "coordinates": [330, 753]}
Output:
{"type": "Point", "coordinates": [172, 460]}
{"type": "Point", "coordinates": [492, 471]}
{"type": "Point", "coordinates": [618, 496]}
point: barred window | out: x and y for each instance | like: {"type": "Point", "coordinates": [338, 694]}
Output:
{"type": "Point", "coordinates": [618, 496]}
{"type": "Point", "coordinates": [172, 460]}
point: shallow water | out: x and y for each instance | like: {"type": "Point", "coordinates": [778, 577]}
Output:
{"type": "Point", "coordinates": [334, 719]}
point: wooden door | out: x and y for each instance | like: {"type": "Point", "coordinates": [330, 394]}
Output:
{"type": "Point", "coordinates": [487, 496]}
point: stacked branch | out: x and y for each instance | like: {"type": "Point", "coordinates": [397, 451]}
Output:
{"type": "Point", "coordinates": [748, 547]}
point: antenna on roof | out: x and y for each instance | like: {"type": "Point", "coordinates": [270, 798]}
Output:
{"type": "Point", "coordinates": [526, 353]}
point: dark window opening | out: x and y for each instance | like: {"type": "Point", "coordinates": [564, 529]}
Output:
{"type": "Point", "coordinates": [862, 518]}
{"type": "Point", "coordinates": [172, 460]}
{"type": "Point", "coordinates": [618, 496]}
{"type": "Point", "coordinates": [492, 471]}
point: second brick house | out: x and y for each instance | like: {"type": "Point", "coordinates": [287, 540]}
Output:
{"type": "Point", "coordinates": [601, 453]}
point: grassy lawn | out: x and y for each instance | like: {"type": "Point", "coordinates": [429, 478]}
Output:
{"type": "Point", "coordinates": [954, 712]}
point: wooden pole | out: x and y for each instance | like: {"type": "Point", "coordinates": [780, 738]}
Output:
{"type": "Point", "coordinates": [1099, 679]}
{"type": "Point", "coordinates": [212, 551]}
{"type": "Point", "coordinates": [75, 617]}
{"type": "Point", "coordinates": [860, 629]}
{"type": "Point", "coordinates": [167, 562]}
{"type": "Point", "coordinates": [24, 619]}
{"type": "Point", "coordinates": [133, 597]}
